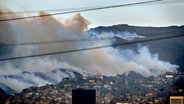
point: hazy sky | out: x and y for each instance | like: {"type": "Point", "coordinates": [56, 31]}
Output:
{"type": "Point", "coordinates": [149, 15]}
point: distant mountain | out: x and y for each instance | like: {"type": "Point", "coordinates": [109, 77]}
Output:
{"type": "Point", "coordinates": [7, 89]}
{"type": "Point", "coordinates": [3, 96]}
{"type": "Point", "coordinates": [145, 31]}
{"type": "Point", "coordinates": [2, 93]}
{"type": "Point", "coordinates": [171, 50]}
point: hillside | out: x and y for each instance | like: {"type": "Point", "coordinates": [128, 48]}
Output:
{"type": "Point", "coordinates": [168, 50]}
{"type": "Point", "coordinates": [130, 87]}
{"type": "Point", "coordinates": [56, 86]}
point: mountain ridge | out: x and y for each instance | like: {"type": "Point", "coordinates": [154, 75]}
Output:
{"type": "Point", "coordinates": [170, 50]}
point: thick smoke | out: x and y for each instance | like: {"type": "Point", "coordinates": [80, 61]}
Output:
{"type": "Point", "coordinates": [107, 61]}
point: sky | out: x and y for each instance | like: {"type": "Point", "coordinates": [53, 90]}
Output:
{"type": "Point", "coordinates": [146, 15]}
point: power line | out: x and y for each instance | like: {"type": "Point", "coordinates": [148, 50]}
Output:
{"type": "Point", "coordinates": [48, 10]}
{"type": "Point", "coordinates": [59, 41]}
{"type": "Point", "coordinates": [80, 40]}
{"type": "Point", "coordinates": [167, 2]}
{"type": "Point", "coordinates": [83, 10]}
{"type": "Point", "coordinates": [96, 47]}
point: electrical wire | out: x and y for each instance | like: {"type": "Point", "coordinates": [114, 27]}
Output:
{"type": "Point", "coordinates": [59, 41]}
{"type": "Point", "coordinates": [97, 47]}
{"type": "Point", "coordinates": [47, 10]}
{"type": "Point", "coordinates": [81, 40]}
{"type": "Point", "coordinates": [165, 2]}
{"type": "Point", "coordinates": [83, 10]}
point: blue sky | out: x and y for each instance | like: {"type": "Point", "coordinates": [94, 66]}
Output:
{"type": "Point", "coordinates": [149, 15]}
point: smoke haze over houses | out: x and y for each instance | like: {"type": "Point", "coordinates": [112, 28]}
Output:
{"type": "Point", "coordinates": [107, 61]}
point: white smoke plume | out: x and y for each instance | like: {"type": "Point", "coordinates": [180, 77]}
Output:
{"type": "Point", "coordinates": [107, 61]}
{"type": "Point", "coordinates": [123, 35]}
